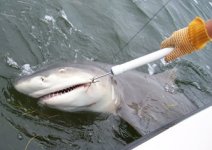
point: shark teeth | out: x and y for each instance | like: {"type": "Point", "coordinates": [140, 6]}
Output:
{"type": "Point", "coordinates": [63, 91]}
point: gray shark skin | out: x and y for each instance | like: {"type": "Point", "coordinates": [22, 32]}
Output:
{"type": "Point", "coordinates": [138, 98]}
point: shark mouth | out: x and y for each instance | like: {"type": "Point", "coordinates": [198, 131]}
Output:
{"type": "Point", "coordinates": [64, 91]}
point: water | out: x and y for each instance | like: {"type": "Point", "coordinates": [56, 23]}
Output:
{"type": "Point", "coordinates": [37, 32]}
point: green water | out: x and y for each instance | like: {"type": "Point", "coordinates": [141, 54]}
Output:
{"type": "Point", "coordinates": [110, 31]}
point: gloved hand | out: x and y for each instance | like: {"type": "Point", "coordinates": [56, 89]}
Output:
{"type": "Point", "coordinates": [187, 40]}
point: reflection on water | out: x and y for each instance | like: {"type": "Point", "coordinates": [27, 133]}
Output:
{"type": "Point", "coordinates": [36, 32]}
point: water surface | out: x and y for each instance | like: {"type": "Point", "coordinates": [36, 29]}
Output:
{"type": "Point", "coordinates": [33, 33]}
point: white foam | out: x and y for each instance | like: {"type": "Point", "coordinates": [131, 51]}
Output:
{"type": "Point", "coordinates": [26, 69]}
{"type": "Point", "coordinates": [11, 62]}
{"type": "Point", "coordinates": [210, 3]}
{"type": "Point", "coordinates": [48, 18]}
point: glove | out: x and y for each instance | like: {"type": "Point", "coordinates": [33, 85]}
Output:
{"type": "Point", "coordinates": [187, 40]}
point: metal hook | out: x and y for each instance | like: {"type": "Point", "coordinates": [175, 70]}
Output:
{"type": "Point", "coordinates": [94, 78]}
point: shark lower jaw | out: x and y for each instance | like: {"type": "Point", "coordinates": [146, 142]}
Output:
{"type": "Point", "coordinates": [64, 91]}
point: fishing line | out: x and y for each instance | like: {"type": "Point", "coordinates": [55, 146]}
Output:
{"type": "Point", "coordinates": [141, 29]}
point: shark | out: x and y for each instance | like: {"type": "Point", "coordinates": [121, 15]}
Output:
{"type": "Point", "coordinates": [140, 99]}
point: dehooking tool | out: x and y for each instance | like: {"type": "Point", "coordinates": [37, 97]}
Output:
{"type": "Point", "coordinates": [118, 69]}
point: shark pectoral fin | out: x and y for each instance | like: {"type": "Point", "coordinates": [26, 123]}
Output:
{"type": "Point", "coordinates": [132, 118]}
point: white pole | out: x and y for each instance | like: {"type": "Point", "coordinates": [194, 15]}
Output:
{"type": "Point", "coordinates": [140, 61]}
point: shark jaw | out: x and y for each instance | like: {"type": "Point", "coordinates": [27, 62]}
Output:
{"type": "Point", "coordinates": [64, 91]}
{"type": "Point", "coordinates": [69, 89]}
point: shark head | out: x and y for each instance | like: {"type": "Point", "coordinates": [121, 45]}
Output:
{"type": "Point", "coordinates": [69, 88]}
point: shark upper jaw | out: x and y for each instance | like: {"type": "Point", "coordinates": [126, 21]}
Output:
{"type": "Point", "coordinates": [63, 91]}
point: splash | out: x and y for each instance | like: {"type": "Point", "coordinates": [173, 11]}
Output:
{"type": "Point", "coordinates": [12, 63]}
{"type": "Point", "coordinates": [26, 69]}
{"type": "Point", "coordinates": [151, 68]}
{"type": "Point", "coordinates": [49, 19]}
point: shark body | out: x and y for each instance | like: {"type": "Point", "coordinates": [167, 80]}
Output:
{"type": "Point", "coordinates": [138, 98]}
